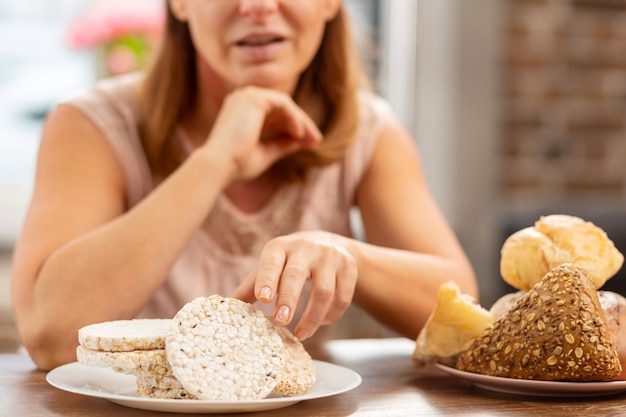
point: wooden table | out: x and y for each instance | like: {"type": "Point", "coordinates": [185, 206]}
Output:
{"type": "Point", "coordinates": [391, 387]}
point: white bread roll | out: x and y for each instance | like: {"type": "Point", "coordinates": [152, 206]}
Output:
{"type": "Point", "coordinates": [530, 253]}
{"type": "Point", "coordinates": [505, 303]}
{"type": "Point", "coordinates": [614, 306]}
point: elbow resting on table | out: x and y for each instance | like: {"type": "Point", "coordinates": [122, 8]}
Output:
{"type": "Point", "coordinates": [48, 349]}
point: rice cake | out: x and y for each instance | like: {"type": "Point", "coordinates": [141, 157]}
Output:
{"type": "Point", "coordinates": [224, 349]}
{"type": "Point", "coordinates": [125, 335]}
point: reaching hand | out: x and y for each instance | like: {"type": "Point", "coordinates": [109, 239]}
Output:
{"type": "Point", "coordinates": [256, 127]}
{"type": "Point", "coordinates": [287, 262]}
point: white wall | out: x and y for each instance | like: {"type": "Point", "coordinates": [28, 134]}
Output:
{"type": "Point", "coordinates": [439, 73]}
{"type": "Point", "coordinates": [457, 92]}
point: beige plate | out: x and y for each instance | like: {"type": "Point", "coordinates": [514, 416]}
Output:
{"type": "Point", "coordinates": [538, 388]}
{"type": "Point", "coordinates": [120, 389]}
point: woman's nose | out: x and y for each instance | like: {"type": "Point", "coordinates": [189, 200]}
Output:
{"type": "Point", "coordinates": [257, 8]}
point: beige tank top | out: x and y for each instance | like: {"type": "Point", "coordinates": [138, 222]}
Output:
{"type": "Point", "coordinates": [227, 247]}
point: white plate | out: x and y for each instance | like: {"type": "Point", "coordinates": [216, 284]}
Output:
{"type": "Point", "coordinates": [538, 388]}
{"type": "Point", "coordinates": [121, 389]}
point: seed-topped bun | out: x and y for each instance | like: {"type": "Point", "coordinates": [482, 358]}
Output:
{"type": "Point", "coordinates": [528, 254]}
{"type": "Point", "coordinates": [556, 332]}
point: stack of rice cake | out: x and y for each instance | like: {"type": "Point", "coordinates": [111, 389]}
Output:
{"type": "Point", "coordinates": [215, 348]}
{"type": "Point", "coordinates": [133, 347]}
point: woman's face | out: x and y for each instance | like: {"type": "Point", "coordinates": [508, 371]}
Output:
{"type": "Point", "coordinates": [266, 43]}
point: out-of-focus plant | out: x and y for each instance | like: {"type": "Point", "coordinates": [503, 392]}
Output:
{"type": "Point", "coordinates": [122, 34]}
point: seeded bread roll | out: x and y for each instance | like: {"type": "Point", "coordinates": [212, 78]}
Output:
{"type": "Point", "coordinates": [613, 306]}
{"type": "Point", "coordinates": [555, 332]}
{"type": "Point", "coordinates": [529, 254]}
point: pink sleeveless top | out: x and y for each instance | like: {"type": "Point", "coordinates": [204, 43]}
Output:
{"type": "Point", "coordinates": [227, 247]}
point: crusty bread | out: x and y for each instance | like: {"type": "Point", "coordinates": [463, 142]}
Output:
{"type": "Point", "coordinates": [451, 327]}
{"type": "Point", "coordinates": [530, 253]}
{"type": "Point", "coordinates": [505, 303]}
{"type": "Point", "coordinates": [614, 307]}
{"type": "Point", "coordinates": [556, 331]}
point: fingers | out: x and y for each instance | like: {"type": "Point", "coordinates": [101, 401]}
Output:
{"type": "Point", "coordinates": [286, 263]}
{"type": "Point", "coordinates": [281, 276]}
{"type": "Point", "coordinates": [320, 302]}
{"type": "Point", "coordinates": [267, 274]}
{"type": "Point", "coordinates": [292, 280]}
{"type": "Point", "coordinates": [344, 293]}
{"type": "Point", "coordinates": [275, 126]}
{"type": "Point", "coordinates": [331, 295]}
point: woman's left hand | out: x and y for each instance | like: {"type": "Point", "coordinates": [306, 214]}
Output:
{"type": "Point", "coordinates": [286, 263]}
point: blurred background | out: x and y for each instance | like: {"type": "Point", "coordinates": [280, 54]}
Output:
{"type": "Point", "coordinates": [518, 107]}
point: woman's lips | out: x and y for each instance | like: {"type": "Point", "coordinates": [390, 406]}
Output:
{"type": "Point", "coordinates": [260, 47]}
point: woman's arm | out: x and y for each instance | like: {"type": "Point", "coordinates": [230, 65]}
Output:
{"type": "Point", "coordinates": [83, 257]}
{"type": "Point", "coordinates": [395, 276]}
{"type": "Point", "coordinates": [399, 285]}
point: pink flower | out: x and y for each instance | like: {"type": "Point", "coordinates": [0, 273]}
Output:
{"type": "Point", "coordinates": [108, 21]}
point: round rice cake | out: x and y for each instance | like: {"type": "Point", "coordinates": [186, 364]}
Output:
{"type": "Point", "coordinates": [149, 391]}
{"type": "Point", "coordinates": [161, 387]}
{"type": "Point", "coordinates": [125, 335]}
{"type": "Point", "coordinates": [224, 349]}
{"type": "Point", "coordinates": [298, 374]}
{"type": "Point", "coordinates": [149, 362]}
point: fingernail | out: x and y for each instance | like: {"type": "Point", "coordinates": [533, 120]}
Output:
{"type": "Point", "coordinates": [265, 294]}
{"type": "Point", "coordinates": [282, 315]}
{"type": "Point", "coordinates": [302, 334]}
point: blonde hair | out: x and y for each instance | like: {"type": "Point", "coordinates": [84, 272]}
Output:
{"type": "Point", "coordinates": [327, 91]}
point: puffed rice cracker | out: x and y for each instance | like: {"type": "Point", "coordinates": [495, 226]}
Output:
{"type": "Point", "coordinates": [161, 387]}
{"type": "Point", "coordinates": [151, 362]}
{"type": "Point", "coordinates": [125, 335]}
{"type": "Point", "coordinates": [224, 349]}
{"type": "Point", "coordinates": [299, 373]}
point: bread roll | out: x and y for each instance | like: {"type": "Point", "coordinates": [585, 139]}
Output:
{"type": "Point", "coordinates": [527, 255]}
{"type": "Point", "coordinates": [505, 303]}
{"type": "Point", "coordinates": [614, 307]}
{"type": "Point", "coordinates": [451, 327]}
{"type": "Point", "coordinates": [555, 332]}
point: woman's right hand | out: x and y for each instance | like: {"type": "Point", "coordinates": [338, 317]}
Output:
{"type": "Point", "coordinates": [257, 127]}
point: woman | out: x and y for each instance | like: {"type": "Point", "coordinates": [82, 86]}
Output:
{"type": "Point", "coordinates": [231, 167]}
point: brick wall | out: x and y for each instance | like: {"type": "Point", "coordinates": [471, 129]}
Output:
{"type": "Point", "coordinates": [564, 77]}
